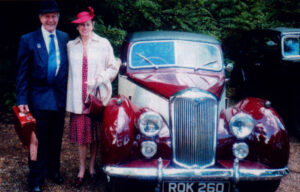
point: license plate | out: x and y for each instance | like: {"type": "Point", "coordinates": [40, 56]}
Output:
{"type": "Point", "coordinates": [196, 186]}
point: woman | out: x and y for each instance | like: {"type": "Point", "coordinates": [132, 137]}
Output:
{"type": "Point", "coordinates": [91, 63]}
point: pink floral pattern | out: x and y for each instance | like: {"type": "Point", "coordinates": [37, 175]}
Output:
{"type": "Point", "coordinates": [83, 129]}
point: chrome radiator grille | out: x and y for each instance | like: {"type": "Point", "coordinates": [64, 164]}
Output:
{"type": "Point", "coordinates": [194, 123]}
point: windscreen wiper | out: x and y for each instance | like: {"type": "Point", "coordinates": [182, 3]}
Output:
{"type": "Point", "coordinates": [206, 64]}
{"type": "Point", "coordinates": [147, 60]}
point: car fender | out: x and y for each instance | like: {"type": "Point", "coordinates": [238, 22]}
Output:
{"type": "Point", "coordinates": [268, 143]}
{"type": "Point", "coordinates": [118, 129]}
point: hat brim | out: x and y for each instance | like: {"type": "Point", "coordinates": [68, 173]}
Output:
{"type": "Point", "coordinates": [49, 11]}
{"type": "Point", "coordinates": [82, 19]}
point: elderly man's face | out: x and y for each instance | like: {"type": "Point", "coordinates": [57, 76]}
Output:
{"type": "Point", "coordinates": [49, 21]}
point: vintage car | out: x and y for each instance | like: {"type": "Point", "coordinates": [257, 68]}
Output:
{"type": "Point", "coordinates": [267, 66]}
{"type": "Point", "coordinates": [170, 128]}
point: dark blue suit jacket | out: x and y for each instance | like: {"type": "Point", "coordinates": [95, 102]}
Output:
{"type": "Point", "coordinates": [32, 64]}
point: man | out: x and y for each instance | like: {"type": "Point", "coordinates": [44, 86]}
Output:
{"type": "Point", "coordinates": [41, 88]}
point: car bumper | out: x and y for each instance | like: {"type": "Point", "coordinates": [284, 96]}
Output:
{"type": "Point", "coordinates": [159, 173]}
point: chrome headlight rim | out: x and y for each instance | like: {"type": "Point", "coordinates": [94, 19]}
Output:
{"type": "Point", "coordinates": [241, 125]}
{"type": "Point", "coordinates": [154, 118]}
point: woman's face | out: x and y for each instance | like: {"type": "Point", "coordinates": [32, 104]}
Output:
{"type": "Point", "coordinates": [85, 29]}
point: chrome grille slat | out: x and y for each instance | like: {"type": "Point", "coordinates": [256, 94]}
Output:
{"type": "Point", "coordinates": [194, 128]}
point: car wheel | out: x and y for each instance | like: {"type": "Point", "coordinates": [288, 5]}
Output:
{"type": "Point", "coordinates": [297, 128]}
{"type": "Point", "coordinates": [113, 184]}
{"type": "Point", "coordinates": [259, 186]}
{"type": "Point", "coordinates": [295, 120]}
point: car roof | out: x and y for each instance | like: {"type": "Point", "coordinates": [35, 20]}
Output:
{"type": "Point", "coordinates": [286, 30]}
{"type": "Point", "coordinates": [170, 35]}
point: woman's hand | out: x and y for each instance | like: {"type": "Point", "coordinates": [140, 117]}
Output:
{"type": "Point", "coordinates": [96, 82]}
{"type": "Point", "coordinates": [91, 84]}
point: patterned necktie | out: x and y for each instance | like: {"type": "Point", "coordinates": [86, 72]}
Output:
{"type": "Point", "coordinates": [52, 63]}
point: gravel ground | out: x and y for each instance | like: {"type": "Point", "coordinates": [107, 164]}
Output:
{"type": "Point", "coordinates": [291, 183]}
{"type": "Point", "coordinates": [13, 164]}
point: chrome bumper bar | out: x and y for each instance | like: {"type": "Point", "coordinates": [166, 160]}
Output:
{"type": "Point", "coordinates": [236, 174]}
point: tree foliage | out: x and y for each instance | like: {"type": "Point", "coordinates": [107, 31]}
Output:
{"type": "Point", "coordinates": [219, 18]}
{"type": "Point", "coordinates": [115, 18]}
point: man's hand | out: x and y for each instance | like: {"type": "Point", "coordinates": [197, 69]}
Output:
{"type": "Point", "coordinates": [23, 108]}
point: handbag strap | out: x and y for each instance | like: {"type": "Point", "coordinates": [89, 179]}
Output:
{"type": "Point", "coordinates": [94, 91]}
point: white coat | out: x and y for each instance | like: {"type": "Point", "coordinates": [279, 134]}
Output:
{"type": "Point", "coordinates": [102, 69]}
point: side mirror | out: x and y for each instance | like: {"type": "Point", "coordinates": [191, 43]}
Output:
{"type": "Point", "coordinates": [229, 67]}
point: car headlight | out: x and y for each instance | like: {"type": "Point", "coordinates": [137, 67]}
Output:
{"type": "Point", "coordinates": [150, 123]}
{"type": "Point", "coordinates": [241, 125]}
{"type": "Point", "coordinates": [240, 150]}
{"type": "Point", "coordinates": [148, 148]}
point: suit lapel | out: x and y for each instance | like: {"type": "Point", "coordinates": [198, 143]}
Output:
{"type": "Point", "coordinates": [41, 47]}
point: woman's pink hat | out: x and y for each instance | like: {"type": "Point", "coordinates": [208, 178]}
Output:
{"type": "Point", "coordinates": [84, 16]}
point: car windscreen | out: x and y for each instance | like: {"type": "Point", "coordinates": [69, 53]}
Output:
{"type": "Point", "coordinates": [291, 46]}
{"type": "Point", "coordinates": [192, 54]}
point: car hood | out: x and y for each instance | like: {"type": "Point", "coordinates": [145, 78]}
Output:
{"type": "Point", "coordinates": [167, 83]}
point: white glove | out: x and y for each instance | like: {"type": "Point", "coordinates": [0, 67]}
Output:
{"type": "Point", "coordinates": [99, 80]}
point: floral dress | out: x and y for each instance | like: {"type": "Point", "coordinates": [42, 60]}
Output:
{"type": "Point", "coordinates": [83, 129]}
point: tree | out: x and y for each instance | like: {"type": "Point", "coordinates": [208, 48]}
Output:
{"type": "Point", "coordinates": [115, 18]}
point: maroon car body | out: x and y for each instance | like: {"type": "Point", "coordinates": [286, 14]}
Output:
{"type": "Point", "coordinates": [170, 123]}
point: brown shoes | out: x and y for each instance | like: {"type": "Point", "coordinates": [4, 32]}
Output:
{"type": "Point", "coordinates": [36, 188]}
{"type": "Point", "coordinates": [56, 178]}
{"type": "Point", "coordinates": [93, 177]}
{"type": "Point", "coordinates": [78, 182]}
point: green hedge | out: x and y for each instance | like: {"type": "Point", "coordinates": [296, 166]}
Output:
{"type": "Point", "coordinates": [115, 18]}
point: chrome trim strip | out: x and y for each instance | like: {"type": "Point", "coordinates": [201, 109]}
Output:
{"type": "Point", "coordinates": [291, 33]}
{"type": "Point", "coordinates": [222, 102]}
{"type": "Point", "coordinates": [236, 173]}
{"type": "Point", "coordinates": [196, 173]}
{"type": "Point", "coordinates": [160, 169]}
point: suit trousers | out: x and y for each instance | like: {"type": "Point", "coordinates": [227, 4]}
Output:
{"type": "Point", "coordinates": [50, 125]}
